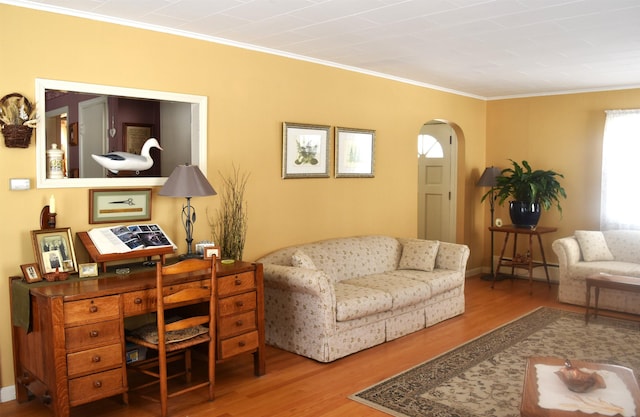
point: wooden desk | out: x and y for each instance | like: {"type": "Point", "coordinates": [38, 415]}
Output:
{"type": "Point", "coordinates": [526, 262]}
{"type": "Point", "coordinates": [614, 282]}
{"type": "Point", "coordinates": [530, 397]}
{"type": "Point", "coordinates": [75, 350]}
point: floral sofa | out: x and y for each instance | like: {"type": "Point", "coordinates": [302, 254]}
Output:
{"type": "Point", "coordinates": [615, 252]}
{"type": "Point", "coordinates": [328, 299]}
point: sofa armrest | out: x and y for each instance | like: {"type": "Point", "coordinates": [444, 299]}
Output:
{"type": "Point", "coordinates": [452, 256]}
{"type": "Point", "coordinates": [308, 281]}
{"type": "Point", "coordinates": [568, 251]}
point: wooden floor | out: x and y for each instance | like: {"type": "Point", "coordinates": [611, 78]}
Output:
{"type": "Point", "coordinates": [297, 386]}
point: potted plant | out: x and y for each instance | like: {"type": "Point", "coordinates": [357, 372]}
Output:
{"type": "Point", "coordinates": [17, 120]}
{"type": "Point", "coordinates": [229, 228]}
{"type": "Point", "coordinates": [530, 191]}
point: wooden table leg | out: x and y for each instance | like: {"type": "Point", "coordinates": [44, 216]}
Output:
{"type": "Point", "coordinates": [504, 247]}
{"type": "Point", "coordinates": [588, 301]}
{"type": "Point", "coordinates": [544, 261]}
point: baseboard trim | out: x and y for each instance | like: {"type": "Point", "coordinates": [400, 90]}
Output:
{"type": "Point", "coordinates": [7, 394]}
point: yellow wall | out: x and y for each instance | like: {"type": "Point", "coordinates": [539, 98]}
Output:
{"type": "Point", "coordinates": [250, 95]}
{"type": "Point", "coordinates": [563, 133]}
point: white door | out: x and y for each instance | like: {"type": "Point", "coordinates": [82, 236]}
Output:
{"type": "Point", "coordinates": [436, 182]}
{"type": "Point", "coordinates": [92, 126]}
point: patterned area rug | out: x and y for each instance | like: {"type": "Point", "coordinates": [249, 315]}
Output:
{"type": "Point", "coordinates": [484, 377]}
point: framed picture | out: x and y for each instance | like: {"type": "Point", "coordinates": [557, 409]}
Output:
{"type": "Point", "coordinates": [119, 205]}
{"type": "Point", "coordinates": [134, 136]}
{"type": "Point", "coordinates": [88, 270]}
{"type": "Point", "coordinates": [54, 249]}
{"type": "Point", "coordinates": [305, 150]}
{"type": "Point", "coordinates": [210, 251]}
{"type": "Point", "coordinates": [73, 134]}
{"type": "Point", "coordinates": [354, 152]}
{"type": "Point", "coordinates": [31, 272]}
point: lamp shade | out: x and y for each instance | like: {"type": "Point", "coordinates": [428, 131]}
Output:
{"type": "Point", "coordinates": [187, 181]}
{"type": "Point", "coordinates": [488, 178]}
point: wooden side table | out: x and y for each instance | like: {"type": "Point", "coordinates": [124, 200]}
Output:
{"type": "Point", "coordinates": [614, 282]}
{"type": "Point", "coordinates": [527, 262]}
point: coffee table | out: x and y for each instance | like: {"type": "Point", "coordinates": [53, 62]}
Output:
{"type": "Point", "coordinates": [529, 406]}
{"type": "Point", "coordinates": [615, 282]}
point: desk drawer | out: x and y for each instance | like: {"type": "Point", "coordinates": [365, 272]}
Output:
{"type": "Point", "coordinates": [233, 284]}
{"type": "Point", "coordinates": [94, 360]}
{"type": "Point", "coordinates": [239, 323]}
{"type": "Point", "coordinates": [237, 304]}
{"type": "Point", "coordinates": [239, 344]}
{"type": "Point", "coordinates": [95, 386]}
{"type": "Point", "coordinates": [139, 302]}
{"type": "Point", "coordinates": [87, 335]}
{"type": "Point", "coordinates": [91, 310]}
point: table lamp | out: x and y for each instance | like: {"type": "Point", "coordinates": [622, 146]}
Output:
{"type": "Point", "coordinates": [187, 181]}
{"type": "Point", "coordinates": [488, 179]}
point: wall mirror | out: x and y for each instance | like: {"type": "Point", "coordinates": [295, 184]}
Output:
{"type": "Point", "coordinates": [88, 119]}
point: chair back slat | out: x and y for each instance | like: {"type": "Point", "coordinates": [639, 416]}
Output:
{"type": "Point", "coordinates": [186, 323]}
{"type": "Point", "coordinates": [187, 294]}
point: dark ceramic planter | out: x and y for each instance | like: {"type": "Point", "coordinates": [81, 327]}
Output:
{"type": "Point", "coordinates": [524, 214]}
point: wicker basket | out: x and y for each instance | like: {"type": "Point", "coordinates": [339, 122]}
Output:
{"type": "Point", "coordinates": [17, 136]}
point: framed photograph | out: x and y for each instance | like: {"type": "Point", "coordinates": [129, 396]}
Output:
{"type": "Point", "coordinates": [31, 273]}
{"type": "Point", "coordinates": [119, 205]}
{"type": "Point", "coordinates": [73, 134]}
{"type": "Point", "coordinates": [134, 136]}
{"type": "Point", "coordinates": [88, 270]}
{"type": "Point", "coordinates": [210, 251]}
{"type": "Point", "coordinates": [54, 249]}
{"type": "Point", "coordinates": [354, 152]}
{"type": "Point", "coordinates": [305, 150]}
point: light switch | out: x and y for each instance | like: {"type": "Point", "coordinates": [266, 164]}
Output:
{"type": "Point", "coordinates": [19, 184]}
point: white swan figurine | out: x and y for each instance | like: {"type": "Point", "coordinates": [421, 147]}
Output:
{"type": "Point", "coordinates": [125, 161]}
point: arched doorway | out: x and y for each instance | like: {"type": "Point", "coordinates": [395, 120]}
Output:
{"type": "Point", "coordinates": [437, 178]}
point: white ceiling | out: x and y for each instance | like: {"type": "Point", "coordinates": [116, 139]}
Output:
{"type": "Point", "coordinates": [482, 48]}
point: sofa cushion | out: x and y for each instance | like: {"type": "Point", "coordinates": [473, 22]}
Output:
{"type": "Point", "coordinates": [581, 270]}
{"type": "Point", "coordinates": [404, 291]}
{"type": "Point", "coordinates": [439, 281]}
{"type": "Point", "coordinates": [624, 244]}
{"type": "Point", "coordinates": [593, 246]}
{"type": "Point", "coordinates": [353, 302]}
{"type": "Point", "coordinates": [419, 254]}
{"type": "Point", "coordinates": [299, 259]}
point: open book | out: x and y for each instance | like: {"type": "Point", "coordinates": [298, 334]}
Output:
{"type": "Point", "coordinates": [121, 239]}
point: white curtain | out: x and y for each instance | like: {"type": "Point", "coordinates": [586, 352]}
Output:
{"type": "Point", "coordinates": [620, 199]}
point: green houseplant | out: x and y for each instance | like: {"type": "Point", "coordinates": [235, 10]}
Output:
{"type": "Point", "coordinates": [530, 191]}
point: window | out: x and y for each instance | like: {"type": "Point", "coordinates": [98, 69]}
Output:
{"type": "Point", "coordinates": [620, 153]}
{"type": "Point", "coordinates": [429, 147]}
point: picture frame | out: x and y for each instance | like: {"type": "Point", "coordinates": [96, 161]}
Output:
{"type": "Point", "coordinates": [305, 150]}
{"type": "Point", "coordinates": [210, 251]}
{"type": "Point", "coordinates": [31, 272]}
{"type": "Point", "coordinates": [134, 136]}
{"type": "Point", "coordinates": [73, 134]}
{"type": "Point", "coordinates": [53, 248]}
{"type": "Point", "coordinates": [88, 270]}
{"type": "Point", "coordinates": [355, 149]}
{"type": "Point", "coordinates": [119, 205]}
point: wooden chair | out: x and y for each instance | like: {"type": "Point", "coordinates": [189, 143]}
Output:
{"type": "Point", "coordinates": [179, 334]}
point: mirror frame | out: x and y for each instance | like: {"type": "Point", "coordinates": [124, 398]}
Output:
{"type": "Point", "coordinates": [198, 144]}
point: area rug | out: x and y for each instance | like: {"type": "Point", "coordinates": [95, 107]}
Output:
{"type": "Point", "coordinates": [484, 377]}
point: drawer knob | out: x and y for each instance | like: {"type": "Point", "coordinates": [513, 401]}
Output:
{"type": "Point", "coordinates": [138, 300]}
{"type": "Point", "coordinates": [93, 309]}
{"type": "Point", "coordinates": [239, 323]}
{"type": "Point", "coordinates": [96, 359]}
{"type": "Point", "coordinates": [239, 303]}
{"type": "Point", "coordinates": [242, 343]}
{"type": "Point", "coordinates": [97, 384]}
{"type": "Point", "coordinates": [93, 333]}
{"type": "Point", "coordinates": [238, 281]}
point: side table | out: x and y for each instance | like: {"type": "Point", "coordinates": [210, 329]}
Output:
{"type": "Point", "coordinates": [614, 282]}
{"type": "Point", "coordinates": [527, 262]}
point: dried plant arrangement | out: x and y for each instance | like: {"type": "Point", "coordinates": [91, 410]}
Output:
{"type": "Point", "coordinates": [17, 120]}
{"type": "Point", "coordinates": [229, 227]}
